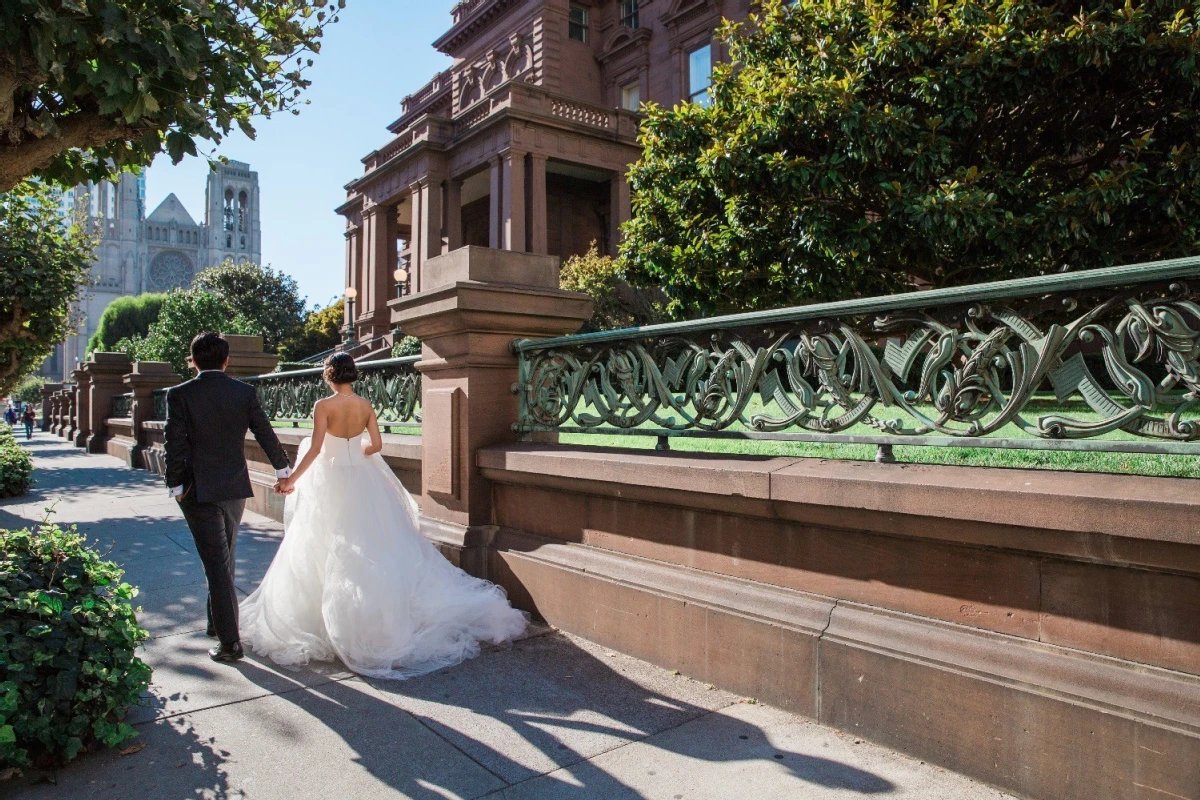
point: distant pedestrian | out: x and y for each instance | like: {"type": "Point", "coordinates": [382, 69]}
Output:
{"type": "Point", "coordinates": [29, 417]}
{"type": "Point", "coordinates": [10, 416]}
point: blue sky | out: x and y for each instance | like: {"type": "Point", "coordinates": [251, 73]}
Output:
{"type": "Point", "coordinates": [374, 56]}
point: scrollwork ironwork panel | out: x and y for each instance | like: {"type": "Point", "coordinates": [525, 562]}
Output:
{"type": "Point", "coordinates": [1120, 345]}
{"type": "Point", "coordinates": [122, 405]}
{"type": "Point", "coordinates": [392, 386]}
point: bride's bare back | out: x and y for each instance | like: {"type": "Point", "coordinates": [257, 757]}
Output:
{"type": "Point", "coordinates": [344, 415]}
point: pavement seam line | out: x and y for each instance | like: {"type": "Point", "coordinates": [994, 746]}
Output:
{"type": "Point", "coordinates": [469, 757]}
{"type": "Point", "coordinates": [245, 700]}
{"type": "Point", "coordinates": [612, 749]}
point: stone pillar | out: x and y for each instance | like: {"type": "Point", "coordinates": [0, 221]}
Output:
{"type": "Point", "coordinates": [246, 356]}
{"type": "Point", "coordinates": [81, 423]}
{"type": "Point", "coordinates": [495, 237]}
{"type": "Point", "coordinates": [512, 209]}
{"type": "Point", "coordinates": [70, 397]}
{"type": "Point", "coordinates": [426, 225]}
{"type": "Point", "coordinates": [55, 413]}
{"type": "Point", "coordinates": [476, 301]}
{"type": "Point", "coordinates": [537, 204]}
{"type": "Point", "coordinates": [146, 378]}
{"type": "Point", "coordinates": [453, 211]}
{"type": "Point", "coordinates": [619, 209]}
{"type": "Point", "coordinates": [48, 392]}
{"type": "Point", "coordinates": [106, 372]}
{"type": "Point", "coordinates": [379, 224]}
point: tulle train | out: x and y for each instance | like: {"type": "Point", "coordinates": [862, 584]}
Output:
{"type": "Point", "coordinates": [354, 579]}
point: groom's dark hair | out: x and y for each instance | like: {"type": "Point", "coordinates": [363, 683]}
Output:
{"type": "Point", "coordinates": [209, 350]}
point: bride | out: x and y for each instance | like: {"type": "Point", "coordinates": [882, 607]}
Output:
{"type": "Point", "coordinates": [353, 577]}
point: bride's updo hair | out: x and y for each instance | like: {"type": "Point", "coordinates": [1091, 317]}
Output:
{"type": "Point", "coordinates": [340, 368]}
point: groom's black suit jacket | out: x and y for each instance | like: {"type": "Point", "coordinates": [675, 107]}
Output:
{"type": "Point", "coordinates": [207, 420]}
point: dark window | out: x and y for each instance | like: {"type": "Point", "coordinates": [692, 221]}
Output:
{"type": "Point", "coordinates": [629, 13]}
{"type": "Point", "coordinates": [577, 27]}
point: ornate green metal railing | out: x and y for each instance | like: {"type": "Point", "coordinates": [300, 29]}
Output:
{"type": "Point", "coordinates": [122, 405]}
{"type": "Point", "coordinates": [393, 386]}
{"type": "Point", "coordinates": [1103, 360]}
{"type": "Point", "coordinates": [159, 410]}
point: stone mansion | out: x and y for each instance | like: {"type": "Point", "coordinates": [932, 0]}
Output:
{"type": "Point", "coordinates": [524, 142]}
{"type": "Point", "coordinates": [138, 253]}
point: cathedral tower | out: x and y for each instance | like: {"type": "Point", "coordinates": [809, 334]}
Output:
{"type": "Point", "coordinates": [231, 214]}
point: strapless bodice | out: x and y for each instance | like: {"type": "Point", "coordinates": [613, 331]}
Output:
{"type": "Point", "coordinates": [339, 452]}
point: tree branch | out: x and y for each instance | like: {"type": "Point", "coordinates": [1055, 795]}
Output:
{"type": "Point", "coordinates": [82, 130]}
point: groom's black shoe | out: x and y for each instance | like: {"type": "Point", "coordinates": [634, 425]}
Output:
{"type": "Point", "coordinates": [227, 653]}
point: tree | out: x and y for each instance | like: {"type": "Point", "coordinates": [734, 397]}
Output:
{"type": "Point", "coordinates": [320, 332]}
{"type": "Point", "coordinates": [125, 317]}
{"type": "Point", "coordinates": [269, 300]}
{"type": "Point", "coordinates": [91, 85]}
{"type": "Point", "coordinates": [29, 390]}
{"type": "Point", "coordinates": [861, 148]}
{"type": "Point", "coordinates": [184, 314]}
{"type": "Point", "coordinates": [615, 304]}
{"type": "Point", "coordinates": [44, 261]}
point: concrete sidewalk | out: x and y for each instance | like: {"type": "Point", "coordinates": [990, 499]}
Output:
{"type": "Point", "coordinates": [553, 716]}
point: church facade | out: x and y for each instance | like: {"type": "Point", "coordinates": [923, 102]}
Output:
{"type": "Point", "coordinates": [137, 253]}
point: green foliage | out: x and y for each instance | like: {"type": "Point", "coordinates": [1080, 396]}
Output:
{"type": "Point", "coordinates": [16, 468]}
{"type": "Point", "coordinates": [321, 331]}
{"type": "Point", "coordinates": [407, 346]}
{"type": "Point", "coordinates": [269, 300]}
{"type": "Point", "coordinates": [68, 636]}
{"type": "Point", "coordinates": [29, 390]}
{"type": "Point", "coordinates": [123, 318]}
{"type": "Point", "coordinates": [862, 148]}
{"type": "Point", "coordinates": [184, 313]}
{"type": "Point", "coordinates": [89, 84]}
{"type": "Point", "coordinates": [43, 263]}
{"type": "Point", "coordinates": [615, 304]}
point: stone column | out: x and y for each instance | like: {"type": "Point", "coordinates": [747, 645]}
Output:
{"type": "Point", "coordinates": [107, 372]}
{"type": "Point", "coordinates": [453, 211]}
{"type": "Point", "coordinates": [537, 204]}
{"type": "Point", "coordinates": [495, 236]}
{"type": "Point", "coordinates": [55, 413]}
{"type": "Point", "coordinates": [426, 225]}
{"type": "Point", "coordinates": [476, 301]}
{"type": "Point", "coordinates": [512, 209]}
{"type": "Point", "coordinates": [70, 397]}
{"type": "Point", "coordinates": [619, 209]}
{"type": "Point", "coordinates": [48, 392]}
{"type": "Point", "coordinates": [146, 378]}
{"type": "Point", "coordinates": [379, 223]}
{"type": "Point", "coordinates": [247, 358]}
{"type": "Point", "coordinates": [81, 423]}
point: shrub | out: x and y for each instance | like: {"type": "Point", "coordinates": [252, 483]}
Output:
{"type": "Point", "coordinates": [125, 318]}
{"type": "Point", "coordinates": [29, 390]}
{"type": "Point", "coordinates": [16, 468]}
{"type": "Point", "coordinates": [67, 639]}
{"type": "Point", "coordinates": [407, 346]}
{"type": "Point", "coordinates": [615, 303]}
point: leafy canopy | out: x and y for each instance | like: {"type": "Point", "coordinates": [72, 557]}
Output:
{"type": "Point", "coordinates": [125, 317]}
{"type": "Point", "coordinates": [184, 314]}
{"type": "Point", "coordinates": [855, 148]}
{"type": "Point", "coordinates": [320, 332]}
{"type": "Point", "coordinates": [43, 263]}
{"type": "Point", "coordinates": [269, 300]}
{"type": "Point", "coordinates": [90, 84]}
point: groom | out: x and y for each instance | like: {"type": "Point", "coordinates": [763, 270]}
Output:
{"type": "Point", "coordinates": [207, 420]}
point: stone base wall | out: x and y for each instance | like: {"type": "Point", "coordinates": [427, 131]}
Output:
{"type": "Point", "coordinates": [1037, 631]}
{"type": "Point", "coordinates": [120, 442]}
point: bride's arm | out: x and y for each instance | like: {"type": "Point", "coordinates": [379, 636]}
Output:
{"type": "Point", "coordinates": [373, 431]}
{"type": "Point", "coordinates": [320, 425]}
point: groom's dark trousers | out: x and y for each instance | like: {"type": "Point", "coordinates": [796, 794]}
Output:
{"type": "Point", "coordinates": [207, 420]}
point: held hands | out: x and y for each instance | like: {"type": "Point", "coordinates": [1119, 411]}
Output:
{"type": "Point", "coordinates": [285, 486]}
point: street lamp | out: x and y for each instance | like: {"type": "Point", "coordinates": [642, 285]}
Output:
{"type": "Point", "coordinates": [401, 276]}
{"type": "Point", "coordinates": [351, 293]}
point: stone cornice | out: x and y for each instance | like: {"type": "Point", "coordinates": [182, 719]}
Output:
{"type": "Point", "coordinates": [624, 43]}
{"type": "Point", "coordinates": [473, 24]}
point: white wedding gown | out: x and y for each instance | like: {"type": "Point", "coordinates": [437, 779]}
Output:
{"type": "Point", "coordinates": [355, 579]}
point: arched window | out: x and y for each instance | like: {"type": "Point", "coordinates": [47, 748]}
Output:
{"type": "Point", "coordinates": [228, 210]}
{"type": "Point", "coordinates": [243, 202]}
